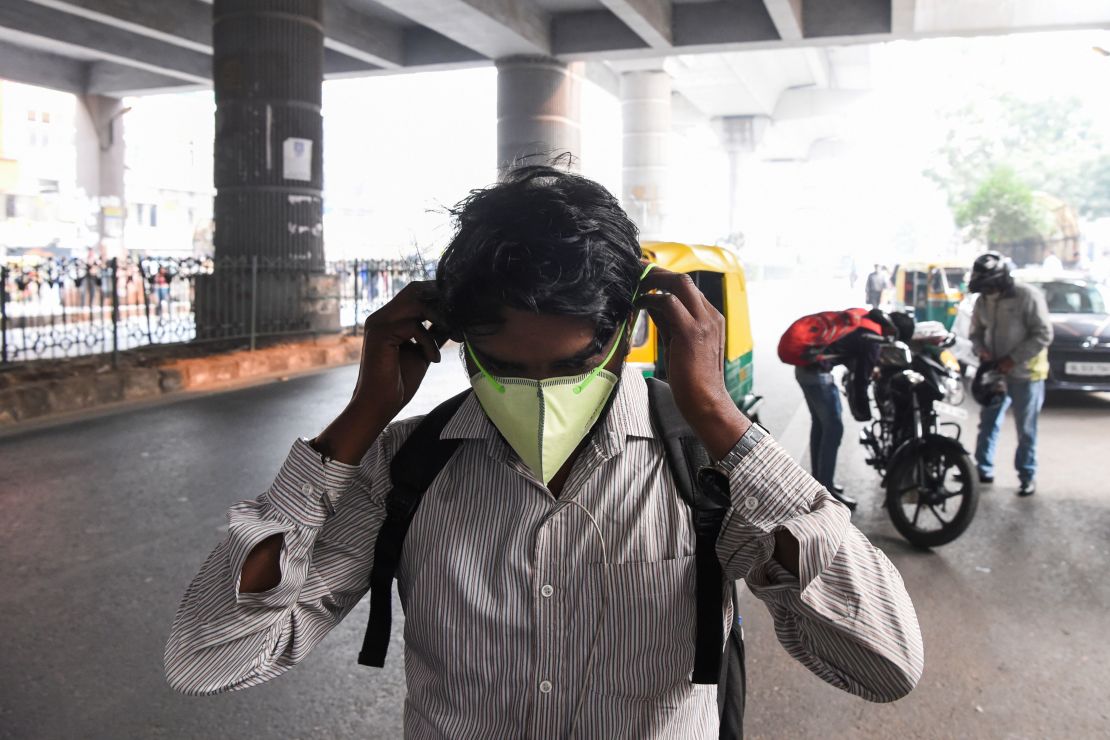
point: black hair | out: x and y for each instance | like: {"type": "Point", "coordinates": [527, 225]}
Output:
{"type": "Point", "coordinates": [541, 240]}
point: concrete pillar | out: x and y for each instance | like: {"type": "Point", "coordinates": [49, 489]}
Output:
{"type": "Point", "coordinates": [740, 136]}
{"type": "Point", "coordinates": [539, 105]}
{"type": "Point", "coordinates": [100, 168]}
{"type": "Point", "coordinates": [646, 123]}
{"type": "Point", "coordinates": [268, 58]}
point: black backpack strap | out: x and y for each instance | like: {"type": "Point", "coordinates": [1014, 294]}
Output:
{"type": "Point", "coordinates": [411, 472]}
{"type": "Point", "coordinates": [686, 457]}
{"type": "Point", "coordinates": [732, 688]}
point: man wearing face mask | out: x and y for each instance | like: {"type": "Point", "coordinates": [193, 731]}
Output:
{"type": "Point", "coordinates": [549, 572]}
{"type": "Point", "coordinates": [1011, 330]}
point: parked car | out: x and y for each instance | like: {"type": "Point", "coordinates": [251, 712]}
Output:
{"type": "Point", "coordinates": [1079, 357]}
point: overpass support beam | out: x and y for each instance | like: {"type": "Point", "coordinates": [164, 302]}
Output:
{"type": "Point", "coordinates": [100, 153]}
{"type": "Point", "coordinates": [538, 111]}
{"type": "Point", "coordinates": [268, 58]}
{"type": "Point", "coordinates": [740, 136]}
{"type": "Point", "coordinates": [646, 125]}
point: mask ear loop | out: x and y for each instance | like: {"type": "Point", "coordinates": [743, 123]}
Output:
{"type": "Point", "coordinates": [616, 343]}
{"type": "Point", "coordinates": [497, 386]}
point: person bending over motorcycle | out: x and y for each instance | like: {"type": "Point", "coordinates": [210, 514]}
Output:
{"type": "Point", "coordinates": [814, 344]}
{"type": "Point", "coordinates": [1011, 329]}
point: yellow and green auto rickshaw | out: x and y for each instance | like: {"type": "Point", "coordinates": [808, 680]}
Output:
{"type": "Point", "coordinates": [932, 289]}
{"type": "Point", "coordinates": [719, 274]}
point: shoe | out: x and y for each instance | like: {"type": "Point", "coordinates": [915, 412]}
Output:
{"type": "Point", "coordinates": [1028, 488]}
{"type": "Point", "coordinates": [848, 501]}
{"type": "Point", "coordinates": [959, 478]}
{"type": "Point", "coordinates": [837, 488]}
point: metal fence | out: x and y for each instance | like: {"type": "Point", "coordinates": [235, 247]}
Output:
{"type": "Point", "coordinates": [63, 307]}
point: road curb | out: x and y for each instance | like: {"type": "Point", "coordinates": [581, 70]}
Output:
{"type": "Point", "coordinates": [55, 391]}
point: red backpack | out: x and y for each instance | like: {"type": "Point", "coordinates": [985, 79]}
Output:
{"type": "Point", "coordinates": [810, 335]}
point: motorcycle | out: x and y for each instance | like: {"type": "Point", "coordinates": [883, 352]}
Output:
{"type": "Point", "coordinates": [928, 476]}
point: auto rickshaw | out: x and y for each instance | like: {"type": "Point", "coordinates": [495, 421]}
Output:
{"type": "Point", "coordinates": [933, 290]}
{"type": "Point", "coordinates": [719, 274]}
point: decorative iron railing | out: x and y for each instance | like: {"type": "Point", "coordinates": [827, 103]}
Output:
{"type": "Point", "coordinates": [64, 307]}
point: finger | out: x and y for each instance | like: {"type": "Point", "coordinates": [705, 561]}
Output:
{"type": "Point", "coordinates": [418, 299]}
{"type": "Point", "coordinates": [667, 311]}
{"type": "Point", "coordinates": [678, 284]}
{"type": "Point", "coordinates": [399, 332]}
{"type": "Point", "coordinates": [432, 306]}
{"type": "Point", "coordinates": [427, 343]}
{"type": "Point", "coordinates": [440, 333]}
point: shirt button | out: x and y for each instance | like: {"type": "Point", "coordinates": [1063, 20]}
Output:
{"type": "Point", "coordinates": [307, 489]}
{"type": "Point", "coordinates": [547, 590]}
{"type": "Point", "coordinates": [545, 687]}
{"type": "Point", "coordinates": [750, 503]}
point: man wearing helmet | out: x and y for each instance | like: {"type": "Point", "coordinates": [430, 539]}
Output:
{"type": "Point", "coordinates": [1011, 330]}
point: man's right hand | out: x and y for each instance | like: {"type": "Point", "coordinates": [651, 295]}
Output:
{"type": "Point", "coordinates": [397, 350]}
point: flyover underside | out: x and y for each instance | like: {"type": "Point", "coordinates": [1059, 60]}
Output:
{"type": "Point", "coordinates": [118, 47]}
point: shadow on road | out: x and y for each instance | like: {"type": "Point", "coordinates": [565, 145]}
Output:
{"type": "Point", "coordinates": [1096, 403]}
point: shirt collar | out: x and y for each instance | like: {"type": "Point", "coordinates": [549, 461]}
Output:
{"type": "Point", "coordinates": [629, 415]}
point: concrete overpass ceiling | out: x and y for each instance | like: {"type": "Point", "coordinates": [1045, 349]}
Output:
{"type": "Point", "coordinates": [756, 82]}
{"type": "Point", "coordinates": [169, 42]}
{"type": "Point", "coordinates": [73, 53]}
{"type": "Point", "coordinates": [747, 83]}
{"type": "Point", "coordinates": [379, 12]}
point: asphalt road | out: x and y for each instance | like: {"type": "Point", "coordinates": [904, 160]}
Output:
{"type": "Point", "coordinates": [103, 522]}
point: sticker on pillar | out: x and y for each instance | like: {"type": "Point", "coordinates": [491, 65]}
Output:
{"type": "Point", "coordinates": [296, 159]}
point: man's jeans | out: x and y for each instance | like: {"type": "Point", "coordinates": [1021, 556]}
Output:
{"type": "Point", "coordinates": [823, 400]}
{"type": "Point", "coordinates": [1027, 397]}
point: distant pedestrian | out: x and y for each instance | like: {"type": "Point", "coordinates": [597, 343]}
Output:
{"type": "Point", "coordinates": [1010, 327]}
{"type": "Point", "coordinates": [161, 288]}
{"type": "Point", "coordinates": [876, 283]}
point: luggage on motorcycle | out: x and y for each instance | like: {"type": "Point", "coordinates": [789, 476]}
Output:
{"type": "Point", "coordinates": [855, 388]}
{"type": "Point", "coordinates": [808, 337]}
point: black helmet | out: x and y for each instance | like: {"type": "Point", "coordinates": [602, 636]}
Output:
{"type": "Point", "coordinates": [991, 272]}
{"type": "Point", "coordinates": [904, 323]}
{"type": "Point", "coordinates": [989, 386]}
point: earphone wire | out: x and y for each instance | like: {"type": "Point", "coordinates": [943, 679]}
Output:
{"type": "Point", "coordinates": [588, 673]}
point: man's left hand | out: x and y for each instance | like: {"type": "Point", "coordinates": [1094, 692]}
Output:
{"type": "Point", "coordinates": [692, 334]}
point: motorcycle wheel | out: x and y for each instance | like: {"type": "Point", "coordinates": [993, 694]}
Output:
{"type": "Point", "coordinates": [932, 496]}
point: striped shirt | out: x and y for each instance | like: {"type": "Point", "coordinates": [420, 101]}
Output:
{"type": "Point", "coordinates": [534, 616]}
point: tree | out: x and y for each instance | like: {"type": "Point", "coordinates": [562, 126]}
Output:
{"type": "Point", "coordinates": [1002, 210]}
{"type": "Point", "coordinates": [1051, 145]}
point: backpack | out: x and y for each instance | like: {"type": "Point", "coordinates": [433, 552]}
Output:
{"type": "Point", "coordinates": [423, 455]}
{"type": "Point", "coordinates": [810, 335]}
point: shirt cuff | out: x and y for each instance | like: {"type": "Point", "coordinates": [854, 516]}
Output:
{"type": "Point", "coordinates": [249, 523]}
{"type": "Point", "coordinates": [767, 487]}
{"type": "Point", "coordinates": [307, 489]}
{"type": "Point", "coordinates": [820, 535]}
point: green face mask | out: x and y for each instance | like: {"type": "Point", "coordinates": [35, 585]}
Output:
{"type": "Point", "coordinates": [545, 420]}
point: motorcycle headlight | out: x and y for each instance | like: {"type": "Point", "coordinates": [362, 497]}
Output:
{"type": "Point", "coordinates": [950, 386]}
